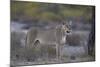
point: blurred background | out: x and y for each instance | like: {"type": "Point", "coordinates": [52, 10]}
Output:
{"type": "Point", "coordinates": [25, 15]}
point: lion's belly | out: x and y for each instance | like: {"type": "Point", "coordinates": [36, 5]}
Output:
{"type": "Point", "coordinates": [49, 37]}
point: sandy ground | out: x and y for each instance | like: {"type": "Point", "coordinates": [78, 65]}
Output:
{"type": "Point", "coordinates": [54, 61]}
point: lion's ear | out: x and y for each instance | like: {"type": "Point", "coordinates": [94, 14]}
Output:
{"type": "Point", "coordinates": [70, 23]}
{"type": "Point", "coordinates": [64, 23]}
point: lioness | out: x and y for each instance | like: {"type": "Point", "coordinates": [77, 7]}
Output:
{"type": "Point", "coordinates": [54, 36]}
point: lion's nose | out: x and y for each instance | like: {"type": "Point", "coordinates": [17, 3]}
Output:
{"type": "Point", "coordinates": [68, 31]}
